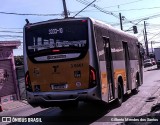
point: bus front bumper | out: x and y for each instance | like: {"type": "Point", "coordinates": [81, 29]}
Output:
{"type": "Point", "coordinates": [38, 98]}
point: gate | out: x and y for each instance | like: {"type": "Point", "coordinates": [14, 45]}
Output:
{"type": "Point", "coordinates": [21, 81]}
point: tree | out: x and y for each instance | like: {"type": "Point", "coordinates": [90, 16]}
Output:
{"type": "Point", "coordinates": [18, 60]}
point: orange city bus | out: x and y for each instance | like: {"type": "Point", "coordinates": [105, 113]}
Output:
{"type": "Point", "coordinates": [79, 59]}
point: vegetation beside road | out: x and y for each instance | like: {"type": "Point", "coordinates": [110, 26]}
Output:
{"type": "Point", "coordinates": [18, 60]}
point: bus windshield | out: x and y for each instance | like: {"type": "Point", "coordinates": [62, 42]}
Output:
{"type": "Point", "coordinates": [57, 40]}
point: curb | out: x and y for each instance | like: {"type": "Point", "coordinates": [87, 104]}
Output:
{"type": "Point", "coordinates": [24, 101]}
{"type": "Point", "coordinates": [13, 105]}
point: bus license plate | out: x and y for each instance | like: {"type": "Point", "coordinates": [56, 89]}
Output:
{"type": "Point", "coordinates": [59, 86]}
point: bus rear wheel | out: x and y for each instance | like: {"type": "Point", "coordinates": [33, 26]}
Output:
{"type": "Point", "coordinates": [119, 100]}
{"type": "Point", "coordinates": [135, 91]}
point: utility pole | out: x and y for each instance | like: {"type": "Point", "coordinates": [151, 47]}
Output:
{"type": "Point", "coordinates": [152, 46]}
{"type": "Point", "coordinates": [146, 40]}
{"type": "Point", "coordinates": [120, 18]}
{"type": "Point", "coordinates": [65, 9]}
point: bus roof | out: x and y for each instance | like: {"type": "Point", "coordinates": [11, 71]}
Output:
{"type": "Point", "coordinates": [118, 31]}
{"type": "Point", "coordinates": [96, 22]}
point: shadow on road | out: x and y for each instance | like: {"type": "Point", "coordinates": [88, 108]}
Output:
{"type": "Point", "coordinates": [155, 107]}
{"type": "Point", "coordinates": [152, 118]}
{"type": "Point", "coordinates": [85, 114]}
{"type": "Point", "coordinates": [151, 99]}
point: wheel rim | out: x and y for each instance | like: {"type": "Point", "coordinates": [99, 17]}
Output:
{"type": "Point", "coordinates": [137, 83]}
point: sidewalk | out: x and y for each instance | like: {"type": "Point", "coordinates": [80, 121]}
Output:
{"type": "Point", "coordinates": [13, 105]}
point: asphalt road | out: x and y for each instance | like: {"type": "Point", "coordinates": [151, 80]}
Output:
{"type": "Point", "coordinates": [134, 106]}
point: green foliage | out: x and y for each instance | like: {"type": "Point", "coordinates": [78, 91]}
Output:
{"type": "Point", "coordinates": [18, 60]}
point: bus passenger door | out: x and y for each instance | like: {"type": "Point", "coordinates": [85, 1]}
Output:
{"type": "Point", "coordinates": [109, 67]}
{"type": "Point", "coordinates": [140, 59]}
{"type": "Point", "coordinates": [127, 65]}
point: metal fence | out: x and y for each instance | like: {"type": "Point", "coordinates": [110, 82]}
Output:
{"type": "Point", "coordinates": [21, 81]}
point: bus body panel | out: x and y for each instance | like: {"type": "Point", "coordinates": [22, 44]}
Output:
{"type": "Point", "coordinates": [119, 69]}
{"type": "Point", "coordinates": [71, 75]}
{"type": "Point", "coordinates": [56, 98]}
{"type": "Point", "coordinates": [134, 70]}
{"type": "Point", "coordinates": [62, 80]}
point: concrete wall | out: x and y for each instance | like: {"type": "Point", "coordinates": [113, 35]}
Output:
{"type": "Point", "coordinates": [8, 81]}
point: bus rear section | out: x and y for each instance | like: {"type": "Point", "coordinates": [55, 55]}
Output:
{"type": "Point", "coordinates": [57, 65]}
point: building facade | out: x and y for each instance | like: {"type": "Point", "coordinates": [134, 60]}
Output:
{"type": "Point", "coordinates": [8, 81]}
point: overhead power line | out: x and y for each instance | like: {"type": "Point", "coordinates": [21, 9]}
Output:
{"type": "Point", "coordinates": [102, 10]}
{"type": "Point", "coordinates": [94, 10]}
{"type": "Point", "coordinates": [98, 8]}
{"type": "Point", "coordinates": [10, 32]}
{"type": "Point", "coordinates": [148, 17]}
{"type": "Point", "coordinates": [83, 2]}
{"type": "Point", "coordinates": [10, 36]}
{"type": "Point", "coordinates": [10, 28]}
{"type": "Point", "coordinates": [22, 14]}
{"type": "Point", "coordinates": [135, 24]}
{"type": "Point", "coordinates": [138, 9]}
{"type": "Point", "coordinates": [84, 8]}
{"type": "Point", "coordinates": [154, 36]}
{"type": "Point", "coordinates": [143, 18]}
{"type": "Point", "coordinates": [124, 3]}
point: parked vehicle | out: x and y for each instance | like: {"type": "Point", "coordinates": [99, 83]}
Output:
{"type": "Point", "coordinates": [153, 61]}
{"type": "Point", "coordinates": [157, 56]}
{"type": "Point", "coordinates": [148, 63]}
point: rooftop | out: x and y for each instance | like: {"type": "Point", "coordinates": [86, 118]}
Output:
{"type": "Point", "coordinates": [10, 43]}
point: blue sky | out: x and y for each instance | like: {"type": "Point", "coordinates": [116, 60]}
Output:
{"type": "Point", "coordinates": [130, 9]}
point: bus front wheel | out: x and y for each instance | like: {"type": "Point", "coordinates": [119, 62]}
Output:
{"type": "Point", "coordinates": [135, 91]}
{"type": "Point", "coordinates": [119, 100]}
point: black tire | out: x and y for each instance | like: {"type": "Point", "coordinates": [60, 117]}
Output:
{"type": "Point", "coordinates": [67, 106]}
{"type": "Point", "coordinates": [119, 100]}
{"type": "Point", "coordinates": [135, 91]}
